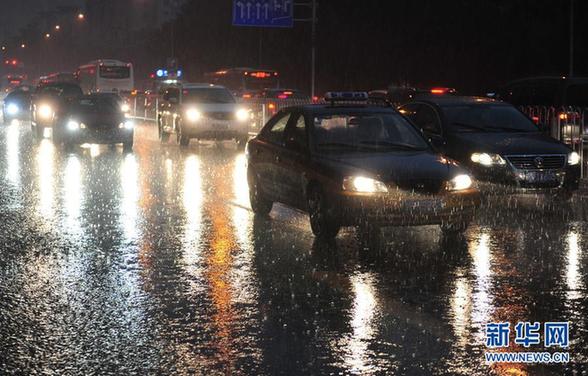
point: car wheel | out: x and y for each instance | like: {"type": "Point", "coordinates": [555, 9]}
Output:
{"type": "Point", "coordinates": [322, 221]}
{"type": "Point", "coordinates": [259, 203]}
{"type": "Point", "coordinates": [454, 229]}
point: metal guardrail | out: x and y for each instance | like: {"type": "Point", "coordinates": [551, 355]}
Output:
{"type": "Point", "coordinates": [567, 124]}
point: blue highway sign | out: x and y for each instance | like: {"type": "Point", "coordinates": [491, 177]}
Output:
{"type": "Point", "coordinates": [263, 13]}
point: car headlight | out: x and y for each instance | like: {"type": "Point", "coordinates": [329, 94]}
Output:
{"type": "Point", "coordinates": [73, 125]}
{"type": "Point", "coordinates": [460, 182]}
{"type": "Point", "coordinates": [45, 111]}
{"type": "Point", "coordinates": [125, 107]}
{"type": "Point", "coordinates": [193, 115]}
{"type": "Point", "coordinates": [363, 185]}
{"type": "Point", "coordinates": [12, 109]}
{"type": "Point", "coordinates": [128, 124]}
{"type": "Point", "coordinates": [573, 158]}
{"type": "Point", "coordinates": [486, 159]}
{"type": "Point", "coordinates": [242, 115]}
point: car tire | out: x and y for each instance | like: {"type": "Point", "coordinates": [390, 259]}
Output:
{"type": "Point", "coordinates": [260, 204]}
{"type": "Point", "coordinates": [322, 221]}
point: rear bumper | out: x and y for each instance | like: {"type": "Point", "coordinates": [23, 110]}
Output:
{"type": "Point", "coordinates": [355, 209]}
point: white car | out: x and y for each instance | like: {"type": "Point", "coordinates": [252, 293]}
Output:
{"type": "Point", "coordinates": [202, 111]}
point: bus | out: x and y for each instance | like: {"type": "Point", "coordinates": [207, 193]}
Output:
{"type": "Point", "coordinates": [244, 80]}
{"type": "Point", "coordinates": [104, 76]}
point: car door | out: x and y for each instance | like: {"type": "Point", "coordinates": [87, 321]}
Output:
{"type": "Point", "coordinates": [268, 154]}
{"type": "Point", "coordinates": [291, 167]}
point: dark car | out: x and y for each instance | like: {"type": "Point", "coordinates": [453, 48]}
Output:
{"type": "Point", "coordinates": [50, 103]}
{"type": "Point", "coordinates": [17, 105]}
{"type": "Point", "coordinates": [546, 91]}
{"type": "Point", "coordinates": [356, 165]}
{"type": "Point", "coordinates": [95, 118]}
{"type": "Point", "coordinates": [498, 143]}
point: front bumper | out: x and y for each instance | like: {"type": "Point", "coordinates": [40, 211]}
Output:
{"type": "Point", "coordinates": [99, 136]}
{"type": "Point", "coordinates": [353, 209]}
{"type": "Point", "coordinates": [506, 179]}
{"type": "Point", "coordinates": [215, 129]}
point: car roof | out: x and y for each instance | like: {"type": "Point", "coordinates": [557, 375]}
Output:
{"type": "Point", "coordinates": [338, 108]}
{"type": "Point", "coordinates": [453, 100]}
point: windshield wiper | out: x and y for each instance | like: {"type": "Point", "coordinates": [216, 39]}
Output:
{"type": "Point", "coordinates": [389, 144]}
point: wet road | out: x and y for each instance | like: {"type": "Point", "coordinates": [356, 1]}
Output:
{"type": "Point", "coordinates": [152, 263]}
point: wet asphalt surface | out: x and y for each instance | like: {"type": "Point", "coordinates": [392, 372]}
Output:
{"type": "Point", "coordinates": [152, 262]}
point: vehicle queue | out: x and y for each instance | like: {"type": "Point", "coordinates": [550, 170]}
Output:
{"type": "Point", "coordinates": [347, 161]}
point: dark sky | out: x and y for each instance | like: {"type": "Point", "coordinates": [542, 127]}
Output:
{"type": "Point", "coordinates": [472, 45]}
{"type": "Point", "coordinates": [17, 13]}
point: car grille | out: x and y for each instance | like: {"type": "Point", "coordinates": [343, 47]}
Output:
{"type": "Point", "coordinates": [221, 115]}
{"type": "Point", "coordinates": [421, 186]}
{"type": "Point", "coordinates": [537, 162]}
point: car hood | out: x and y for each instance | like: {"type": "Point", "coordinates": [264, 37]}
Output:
{"type": "Point", "coordinates": [509, 143]}
{"type": "Point", "coordinates": [425, 172]}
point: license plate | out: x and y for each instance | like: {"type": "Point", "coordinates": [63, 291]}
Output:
{"type": "Point", "coordinates": [540, 177]}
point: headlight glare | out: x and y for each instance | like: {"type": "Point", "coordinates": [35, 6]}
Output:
{"type": "Point", "coordinates": [242, 115]}
{"type": "Point", "coordinates": [460, 182]}
{"type": "Point", "coordinates": [73, 125]}
{"type": "Point", "coordinates": [193, 115]}
{"type": "Point", "coordinates": [12, 109]}
{"type": "Point", "coordinates": [363, 185]}
{"type": "Point", "coordinates": [573, 158]}
{"type": "Point", "coordinates": [125, 107]}
{"type": "Point", "coordinates": [45, 111]}
{"type": "Point", "coordinates": [486, 159]}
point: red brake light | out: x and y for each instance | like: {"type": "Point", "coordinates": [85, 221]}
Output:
{"type": "Point", "coordinates": [260, 74]}
{"type": "Point", "coordinates": [438, 90]}
{"type": "Point", "coordinates": [535, 119]}
{"type": "Point", "coordinates": [247, 96]}
{"type": "Point", "coordinates": [282, 96]}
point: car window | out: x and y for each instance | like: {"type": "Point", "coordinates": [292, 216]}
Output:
{"type": "Point", "coordinates": [365, 132]}
{"type": "Point", "coordinates": [487, 118]}
{"type": "Point", "coordinates": [577, 95]}
{"type": "Point", "coordinates": [275, 132]}
{"type": "Point", "coordinates": [427, 119]}
{"type": "Point", "coordinates": [297, 131]}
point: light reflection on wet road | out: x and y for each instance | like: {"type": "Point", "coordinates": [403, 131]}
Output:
{"type": "Point", "coordinates": [152, 262]}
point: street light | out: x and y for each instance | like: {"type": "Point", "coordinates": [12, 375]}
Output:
{"type": "Point", "coordinates": [81, 16]}
{"type": "Point", "coordinates": [47, 36]}
{"type": "Point", "coordinates": [57, 27]}
{"type": "Point", "coordinates": [23, 45]}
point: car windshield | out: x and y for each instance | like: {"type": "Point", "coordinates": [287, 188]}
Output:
{"type": "Point", "coordinates": [65, 91]}
{"type": "Point", "coordinates": [98, 104]}
{"type": "Point", "coordinates": [207, 95]}
{"type": "Point", "coordinates": [366, 132]}
{"type": "Point", "coordinates": [487, 118]}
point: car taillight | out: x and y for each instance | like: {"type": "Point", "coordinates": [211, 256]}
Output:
{"type": "Point", "coordinates": [535, 119]}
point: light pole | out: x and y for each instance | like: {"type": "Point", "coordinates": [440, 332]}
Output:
{"type": "Point", "coordinates": [571, 71]}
